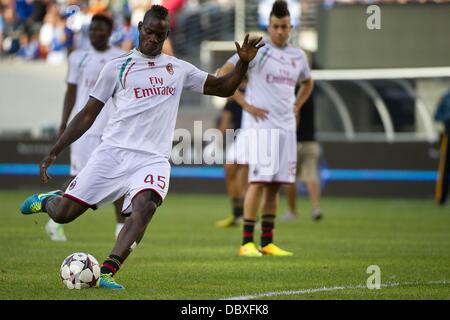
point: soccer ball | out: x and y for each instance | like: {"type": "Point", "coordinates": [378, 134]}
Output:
{"type": "Point", "coordinates": [80, 270]}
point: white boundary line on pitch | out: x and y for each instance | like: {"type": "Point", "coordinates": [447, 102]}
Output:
{"type": "Point", "coordinates": [324, 289]}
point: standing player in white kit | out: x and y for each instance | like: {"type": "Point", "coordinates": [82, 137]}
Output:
{"type": "Point", "coordinates": [84, 69]}
{"type": "Point", "coordinates": [270, 98]}
{"type": "Point", "coordinates": [133, 158]}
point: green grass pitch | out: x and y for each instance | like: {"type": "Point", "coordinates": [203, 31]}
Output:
{"type": "Point", "coordinates": [183, 256]}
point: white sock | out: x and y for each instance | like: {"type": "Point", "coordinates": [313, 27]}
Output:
{"type": "Point", "coordinates": [52, 223]}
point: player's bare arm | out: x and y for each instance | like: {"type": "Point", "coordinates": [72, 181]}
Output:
{"type": "Point", "coordinates": [77, 127]}
{"type": "Point", "coordinates": [238, 96]}
{"type": "Point", "coordinates": [226, 85]}
{"type": "Point", "coordinates": [69, 103]}
{"type": "Point", "coordinates": [303, 94]}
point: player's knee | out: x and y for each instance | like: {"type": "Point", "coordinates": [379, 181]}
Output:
{"type": "Point", "coordinates": [270, 194]}
{"type": "Point", "coordinates": [230, 171]}
{"type": "Point", "coordinates": [143, 215]}
{"type": "Point", "coordinates": [257, 187]}
{"type": "Point", "coordinates": [145, 205]}
{"type": "Point", "coordinates": [149, 208]}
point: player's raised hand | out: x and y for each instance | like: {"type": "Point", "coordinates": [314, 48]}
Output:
{"type": "Point", "coordinates": [43, 167]}
{"type": "Point", "coordinates": [249, 48]}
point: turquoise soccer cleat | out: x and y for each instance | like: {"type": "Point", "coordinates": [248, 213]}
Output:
{"type": "Point", "coordinates": [106, 280]}
{"type": "Point", "coordinates": [33, 204]}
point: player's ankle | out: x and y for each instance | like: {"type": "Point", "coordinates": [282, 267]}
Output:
{"type": "Point", "coordinates": [111, 265]}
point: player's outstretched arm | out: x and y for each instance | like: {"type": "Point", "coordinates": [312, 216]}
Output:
{"type": "Point", "coordinates": [69, 103]}
{"type": "Point", "coordinates": [226, 85]}
{"type": "Point", "coordinates": [76, 128]}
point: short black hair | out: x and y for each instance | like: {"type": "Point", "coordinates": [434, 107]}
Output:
{"type": "Point", "coordinates": [280, 9]}
{"type": "Point", "coordinates": [102, 18]}
{"type": "Point", "coordinates": [157, 11]}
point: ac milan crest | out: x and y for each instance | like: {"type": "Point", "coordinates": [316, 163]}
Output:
{"type": "Point", "coordinates": [169, 68]}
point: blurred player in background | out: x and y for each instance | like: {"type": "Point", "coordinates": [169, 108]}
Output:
{"type": "Point", "coordinates": [84, 69]}
{"type": "Point", "coordinates": [133, 158]}
{"type": "Point", "coordinates": [442, 183]}
{"type": "Point", "coordinates": [308, 152]}
{"type": "Point", "coordinates": [236, 170]}
{"type": "Point", "coordinates": [270, 99]}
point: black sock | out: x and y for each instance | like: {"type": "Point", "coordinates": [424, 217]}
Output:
{"type": "Point", "coordinates": [249, 228]}
{"type": "Point", "coordinates": [238, 208]}
{"type": "Point", "coordinates": [111, 264]}
{"type": "Point", "coordinates": [267, 226]}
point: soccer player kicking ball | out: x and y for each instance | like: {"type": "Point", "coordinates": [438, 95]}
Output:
{"type": "Point", "coordinates": [84, 69]}
{"type": "Point", "coordinates": [270, 98]}
{"type": "Point", "coordinates": [133, 158]}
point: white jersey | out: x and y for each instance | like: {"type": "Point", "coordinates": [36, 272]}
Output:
{"type": "Point", "coordinates": [84, 69]}
{"type": "Point", "coordinates": [145, 94]}
{"type": "Point", "coordinates": [272, 77]}
{"type": "Point", "coordinates": [247, 120]}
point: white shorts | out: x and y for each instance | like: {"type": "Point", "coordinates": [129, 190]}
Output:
{"type": "Point", "coordinates": [276, 159]}
{"type": "Point", "coordinates": [81, 150]}
{"type": "Point", "coordinates": [112, 172]}
{"type": "Point", "coordinates": [238, 150]}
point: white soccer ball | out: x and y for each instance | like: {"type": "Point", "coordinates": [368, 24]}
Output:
{"type": "Point", "coordinates": [80, 270]}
